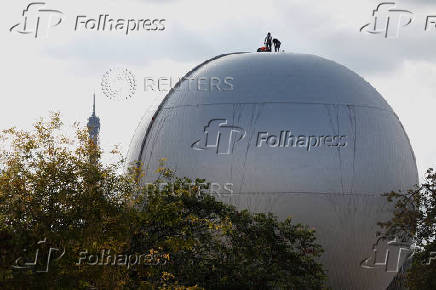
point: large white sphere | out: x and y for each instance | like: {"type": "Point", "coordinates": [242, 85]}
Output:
{"type": "Point", "coordinates": [295, 135]}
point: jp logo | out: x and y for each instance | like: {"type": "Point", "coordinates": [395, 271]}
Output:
{"type": "Point", "coordinates": [37, 20]}
{"type": "Point", "coordinates": [219, 136]}
{"type": "Point", "coordinates": [388, 254]}
{"type": "Point", "coordinates": [388, 21]}
{"type": "Point", "coordinates": [41, 260]}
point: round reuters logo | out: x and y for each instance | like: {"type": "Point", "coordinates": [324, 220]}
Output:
{"type": "Point", "coordinates": [118, 84]}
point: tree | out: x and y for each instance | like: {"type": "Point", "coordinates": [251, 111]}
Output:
{"type": "Point", "coordinates": [49, 190]}
{"type": "Point", "coordinates": [415, 220]}
{"type": "Point", "coordinates": [109, 231]}
{"type": "Point", "coordinates": [217, 247]}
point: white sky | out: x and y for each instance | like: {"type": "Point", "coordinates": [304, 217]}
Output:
{"type": "Point", "coordinates": [60, 72]}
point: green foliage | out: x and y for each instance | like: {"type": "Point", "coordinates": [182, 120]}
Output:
{"type": "Point", "coordinates": [218, 247]}
{"type": "Point", "coordinates": [50, 190]}
{"type": "Point", "coordinates": [415, 220]}
{"type": "Point", "coordinates": [55, 188]}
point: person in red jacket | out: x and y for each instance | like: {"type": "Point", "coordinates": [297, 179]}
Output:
{"type": "Point", "coordinates": [268, 41]}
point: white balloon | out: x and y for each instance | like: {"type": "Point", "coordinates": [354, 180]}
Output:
{"type": "Point", "coordinates": [293, 134]}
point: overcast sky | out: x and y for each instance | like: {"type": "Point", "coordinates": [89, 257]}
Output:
{"type": "Point", "coordinates": [60, 71]}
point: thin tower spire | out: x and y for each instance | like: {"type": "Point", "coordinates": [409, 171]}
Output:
{"type": "Point", "coordinates": [93, 106]}
{"type": "Point", "coordinates": [93, 124]}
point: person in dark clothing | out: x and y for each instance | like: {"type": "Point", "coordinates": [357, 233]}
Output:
{"type": "Point", "coordinates": [268, 40]}
{"type": "Point", "coordinates": [276, 44]}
